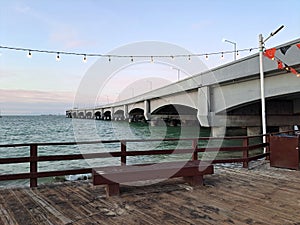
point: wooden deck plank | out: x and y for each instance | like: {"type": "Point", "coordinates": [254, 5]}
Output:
{"type": "Point", "coordinates": [230, 196]}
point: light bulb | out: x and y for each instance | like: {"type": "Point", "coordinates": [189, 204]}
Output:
{"type": "Point", "coordinates": [84, 59]}
{"type": "Point", "coordinates": [57, 57]}
{"type": "Point", "coordinates": [29, 55]}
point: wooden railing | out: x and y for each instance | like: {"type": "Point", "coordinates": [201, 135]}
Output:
{"type": "Point", "coordinates": [194, 150]}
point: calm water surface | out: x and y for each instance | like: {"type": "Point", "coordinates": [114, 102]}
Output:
{"type": "Point", "coordinates": [39, 129]}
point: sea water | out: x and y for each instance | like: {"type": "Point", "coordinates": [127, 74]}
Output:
{"type": "Point", "coordinates": [49, 129]}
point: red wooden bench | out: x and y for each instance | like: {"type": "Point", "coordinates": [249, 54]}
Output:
{"type": "Point", "coordinates": [113, 176]}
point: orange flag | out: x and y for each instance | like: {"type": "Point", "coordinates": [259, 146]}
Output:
{"type": "Point", "coordinates": [280, 64]}
{"type": "Point", "coordinates": [270, 53]}
{"type": "Point", "coordinates": [298, 45]}
{"type": "Point", "coordinates": [293, 71]}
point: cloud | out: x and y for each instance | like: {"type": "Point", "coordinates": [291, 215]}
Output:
{"type": "Point", "coordinates": [62, 33]}
{"type": "Point", "coordinates": [16, 102]}
{"type": "Point", "coordinates": [32, 96]}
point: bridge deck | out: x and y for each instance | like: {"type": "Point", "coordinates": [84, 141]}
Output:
{"type": "Point", "coordinates": [231, 196]}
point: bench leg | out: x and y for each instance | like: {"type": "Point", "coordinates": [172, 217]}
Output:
{"type": "Point", "coordinates": [195, 180]}
{"type": "Point", "coordinates": [112, 189]}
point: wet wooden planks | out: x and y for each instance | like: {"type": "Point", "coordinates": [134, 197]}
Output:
{"type": "Point", "coordinates": [231, 196]}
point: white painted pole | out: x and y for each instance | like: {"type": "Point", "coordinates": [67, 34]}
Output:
{"type": "Point", "coordinates": [262, 89]}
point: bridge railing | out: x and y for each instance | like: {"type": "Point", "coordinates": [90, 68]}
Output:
{"type": "Point", "coordinates": [248, 147]}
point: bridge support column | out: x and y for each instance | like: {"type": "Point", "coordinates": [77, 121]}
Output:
{"type": "Point", "coordinates": [203, 106]}
{"type": "Point", "coordinates": [126, 115]}
{"type": "Point", "coordinates": [252, 131]}
{"type": "Point", "coordinates": [218, 131]}
{"type": "Point", "coordinates": [102, 114]}
{"type": "Point", "coordinates": [147, 113]}
{"type": "Point", "coordinates": [112, 114]}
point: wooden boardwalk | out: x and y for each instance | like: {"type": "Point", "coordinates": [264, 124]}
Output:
{"type": "Point", "coordinates": [230, 196]}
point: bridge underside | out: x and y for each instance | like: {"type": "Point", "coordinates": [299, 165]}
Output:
{"type": "Point", "coordinates": [281, 114]}
{"type": "Point", "coordinates": [174, 115]}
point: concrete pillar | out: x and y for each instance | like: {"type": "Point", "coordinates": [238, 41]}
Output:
{"type": "Point", "coordinates": [203, 106]}
{"type": "Point", "coordinates": [112, 113]}
{"type": "Point", "coordinates": [285, 128]}
{"type": "Point", "coordinates": [218, 131]}
{"type": "Point", "coordinates": [102, 114]}
{"type": "Point", "coordinates": [147, 113]}
{"type": "Point", "coordinates": [126, 115]}
{"type": "Point", "coordinates": [252, 131]}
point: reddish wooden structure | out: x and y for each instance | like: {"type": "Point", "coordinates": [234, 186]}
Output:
{"type": "Point", "coordinates": [193, 151]}
{"type": "Point", "coordinates": [284, 151]}
{"type": "Point", "coordinates": [191, 171]}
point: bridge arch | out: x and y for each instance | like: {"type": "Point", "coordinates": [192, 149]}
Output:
{"type": "Point", "coordinates": [89, 115]}
{"type": "Point", "coordinates": [119, 115]}
{"type": "Point", "coordinates": [175, 115]}
{"type": "Point", "coordinates": [81, 115]}
{"type": "Point", "coordinates": [107, 115]}
{"type": "Point", "coordinates": [97, 115]}
{"type": "Point", "coordinates": [137, 115]}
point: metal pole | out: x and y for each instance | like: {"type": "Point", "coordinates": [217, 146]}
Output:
{"type": "Point", "coordinates": [234, 48]}
{"type": "Point", "coordinates": [262, 89]}
{"type": "Point", "coordinates": [234, 54]}
{"type": "Point", "coordinates": [178, 72]}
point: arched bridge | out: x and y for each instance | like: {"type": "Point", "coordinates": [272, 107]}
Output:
{"type": "Point", "coordinates": [227, 96]}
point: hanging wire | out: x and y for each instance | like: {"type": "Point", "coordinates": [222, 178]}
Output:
{"type": "Point", "coordinates": [85, 55]}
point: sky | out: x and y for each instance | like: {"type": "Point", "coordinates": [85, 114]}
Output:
{"type": "Point", "coordinates": [41, 85]}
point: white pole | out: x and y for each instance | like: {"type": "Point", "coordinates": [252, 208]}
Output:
{"type": "Point", "coordinates": [234, 54]}
{"type": "Point", "coordinates": [262, 89]}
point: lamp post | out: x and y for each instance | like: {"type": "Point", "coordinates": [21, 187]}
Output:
{"type": "Point", "coordinates": [261, 43]}
{"type": "Point", "coordinates": [234, 47]}
{"type": "Point", "coordinates": [178, 72]}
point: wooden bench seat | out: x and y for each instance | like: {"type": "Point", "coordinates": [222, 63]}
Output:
{"type": "Point", "coordinates": [113, 176]}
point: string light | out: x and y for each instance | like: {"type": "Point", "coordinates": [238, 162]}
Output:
{"type": "Point", "coordinates": [284, 66]}
{"type": "Point", "coordinates": [57, 57]}
{"type": "Point", "coordinates": [84, 59]}
{"type": "Point", "coordinates": [29, 55]}
{"type": "Point", "coordinates": [85, 55]}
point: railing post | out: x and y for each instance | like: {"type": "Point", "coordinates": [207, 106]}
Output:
{"type": "Point", "coordinates": [33, 166]}
{"type": "Point", "coordinates": [245, 152]}
{"type": "Point", "coordinates": [195, 146]}
{"type": "Point", "coordinates": [268, 147]}
{"type": "Point", "coordinates": [123, 153]}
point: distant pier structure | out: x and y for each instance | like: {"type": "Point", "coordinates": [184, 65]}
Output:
{"type": "Point", "coordinates": [223, 98]}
